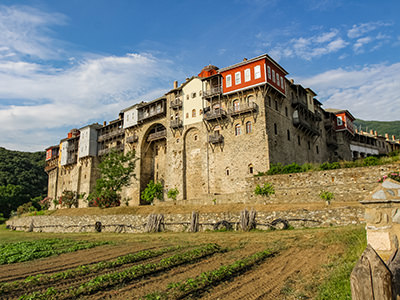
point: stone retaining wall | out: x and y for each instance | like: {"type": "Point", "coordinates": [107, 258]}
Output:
{"type": "Point", "coordinates": [338, 216]}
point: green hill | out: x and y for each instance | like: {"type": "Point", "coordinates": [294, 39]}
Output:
{"type": "Point", "coordinates": [382, 127]}
{"type": "Point", "coordinates": [22, 177]}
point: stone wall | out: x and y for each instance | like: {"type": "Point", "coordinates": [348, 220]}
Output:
{"type": "Point", "coordinates": [329, 216]}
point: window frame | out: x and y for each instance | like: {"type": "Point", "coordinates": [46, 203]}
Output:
{"type": "Point", "coordinates": [238, 78]}
{"type": "Point", "coordinates": [257, 72]}
{"type": "Point", "coordinates": [247, 75]}
{"type": "Point", "coordinates": [228, 80]}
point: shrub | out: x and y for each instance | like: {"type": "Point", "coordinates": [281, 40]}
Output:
{"type": "Point", "coordinates": [292, 168]}
{"type": "Point", "coordinates": [266, 190]}
{"type": "Point", "coordinates": [24, 208]}
{"type": "Point", "coordinates": [371, 161]}
{"type": "Point", "coordinates": [173, 193]}
{"type": "Point", "coordinates": [45, 203]}
{"type": "Point", "coordinates": [275, 169]}
{"type": "Point", "coordinates": [329, 166]}
{"type": "Point", "coordinates": [327, 196]}
{"type": "Point", "coordinates": [393, 175]}
{"type": "Point", "coordinates": [69, 199]}
{"type": "Point", "coordinates": [152, 191]}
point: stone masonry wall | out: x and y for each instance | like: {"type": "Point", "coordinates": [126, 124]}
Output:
{"type": "Point", "coordinates": [340, 216]}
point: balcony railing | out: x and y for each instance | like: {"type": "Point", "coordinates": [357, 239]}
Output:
{"type": "Point", "coordinates": [144, 115]}
{"type": "Point", "coordinates": [157, 135]}
{"type": "Point", "coordinates": [176, 103]}
{"type": "Point", "coordinates": [215, 138]}
{"type": "Point", "coordinates": [305, 124]}
{"type": "Point", "coordinates": [176, 123]}
{"type": "Point", "coordinates": [108, 150]}
{"type": "Point", "coordinates": [132, 139]}
{"type": "Point", "coordinates": [51, 164]}
{"type": "Point", "coordinates": [299, 102]}
{"type": "Point", "coordinates": [71, 160]}
{"type": "Point", "coordinates": [243, 108]}
{"type": "Point", "coordinates": [215, 114]}
{"type": "Point", "coordinates": [213, 91]}
{"type": "Point", "coordinates": [110, 135]}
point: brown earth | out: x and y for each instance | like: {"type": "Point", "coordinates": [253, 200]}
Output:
{"type": "Point", "coordinates": [301, 255]}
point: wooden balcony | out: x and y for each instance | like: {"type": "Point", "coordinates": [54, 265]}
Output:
{"type": "Point", "coordinates": [132, 139]}
{"type": "Point", "coordinates": [176, 123]}
{"type": "Point", "coordinates": [110, 135]}
{"type": "Point", "coordinates": [108, 150]}
{"type": "Point", "coordinates": [147, 115]}
{"type": "Point", "coordinates": [215, 138]}
{"type": "Point", "coordinates": [215, 114]}
{"type": "Point", "coordinates": [51, 164]}
{"type": "Point", "coordinates": [213, 91]}
{"type": "Point", "coordinates": [243, 108]}
{"type": "Point", "coordinates": [175, 104]}
{"type": "Point", "coordinates": [306, 124]}
{"type": "Point", "coordinates": [157, 135]}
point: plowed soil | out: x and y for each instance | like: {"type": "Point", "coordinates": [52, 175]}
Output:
{"type": "Point", "coordinates": [300, 256]}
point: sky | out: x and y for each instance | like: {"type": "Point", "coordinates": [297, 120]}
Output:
{"type": "Point", "coordinates": [65, 64]}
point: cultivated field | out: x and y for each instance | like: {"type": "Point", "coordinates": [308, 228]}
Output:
{"type": "Point", "coordinates": [289, 264]}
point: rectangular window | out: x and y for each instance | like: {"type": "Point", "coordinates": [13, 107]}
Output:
{"type": "Point", "coordinates": [228, 80]}
{"type": "Point", "coordinates": [238, 79]}
{"type": "Point", "coordinates": [277, 79]}
{"type": "Point", "coordinates": [257, 72]}
{"type": "Point", "coordinates": [269, 72]}
{"type": "Point", "coordinates": [273, 75]}
{"type": "Point", "coordinates": [247, 75]}
{"type": "Point", "coordinates": [282, 85]}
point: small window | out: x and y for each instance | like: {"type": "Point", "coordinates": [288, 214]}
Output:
{"type": "Point", "coordinates": [269, 100]}
{"type": "Point", "coordinates": [309, 145]}
{"type": "Point", "coordinates": [339, 121]}
{"type": "Point", "coordinates": [276, 105]}
{"type": "Point", "coordinates": [238, 79]}
{"type": "Point", "coordinates": [238, 130]}
{"type": "Point", "coordinates": [257, 72]}
{"type": "Point", "coordinates": [247, 76]}
{"type": "Point", "coordinates": [236, 105]}
{"type": "Point", "coordinates": [187, 97]}
{"type": "Point", "coordinates": [228, 80]}
{"type": "Point", "coordinates": [288, 135]}
{"type": "Point", "coordinates": [200, 111]}
{"type": "Point", "coordinates": [277, 80]}
{"type": "Point", "coordinates": [251, 169]}
{"type": "Point", "coordinates": [282, 83]}
{"type": "Point", "coordinates": [269, 72]}
{"type": "Point", "coordinates": [195, 137]}
{"type": "Point", "coordinates": [286, 112]}
{"type": "Point", "coordinates": [248, 127]}
{"type": "Point", "coordinates": [187, 115]}
{"type": "Point", "coordinates": [298, 140]}
{"type": "Point", "coordinates": [227, 171]}
{"type": "Point", "coordinates": [317, 149]}
{"type": "Point", "coordinates": [193, 113]}
{"type": "Point", "coordinates": [273, 75]}
{"type": "Point", "coordinates": [193, 95]}
{"type": "Point", "coordinates": [275, 128]}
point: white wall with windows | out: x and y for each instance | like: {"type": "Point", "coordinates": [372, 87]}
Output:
{"type": "Point", "coordinates": [192, 102]}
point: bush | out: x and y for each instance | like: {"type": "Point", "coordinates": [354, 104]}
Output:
{"type": "Point", "coordinates": [371, 161]}
{"type": "Point", "coordinates": [173, 193]}
{"type": "Point", "coordinates": [292, 168]}
{"type": "Point", "coordinates": [104, 199]}
{"type": "Point", "coordinates": [329, 166]}
{"type": "Point", "coordinates": [275, 169]}
{"type": "Point", "coordinates": [24, 208]}
{"type": "Point", "coordinates": [152, 191]}
{"type": "Point", "coordinates": [69, 199]}
{"type": "Point", "coordinates": [266, 190]}
{"type": "Point", "coordinates": [327, 196]}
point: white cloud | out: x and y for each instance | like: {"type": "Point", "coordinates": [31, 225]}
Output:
{"type": "Point", "coordinates": [360, 29]}
{"type": "Point", "coordinates": [360, 43]}
{"type": "Point", "coordinates": [24, 31]}
{"type": "Point", "coordinates": [369, 93]}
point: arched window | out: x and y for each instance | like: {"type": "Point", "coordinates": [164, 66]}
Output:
{"type": "Point", "coordinates": [227, 171]}
{"type": "Point", "coordinates": [248, 127]}
{"type": "Point", "coordinates": [251, 99]}
{"type": "Point", "coordinates": [251, 169]}
{"type": "Point", "coordinates": [236, 105]}
{"type": "Point", "coordinates": [238, 131]}
{"type": "Point", "coordinates": [193, 113]}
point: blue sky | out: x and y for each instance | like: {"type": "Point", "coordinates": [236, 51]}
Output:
{"type": "Point", "coordinates": [65, 64]}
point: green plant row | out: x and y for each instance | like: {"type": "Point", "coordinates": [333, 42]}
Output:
{"type": "Point", "coordinates": [82, 270]}
{"type": "Point", "coordinates": [295, 168]}
{"type": "Point", "coordinates": [132, 273]}
{"type": "Point", "coordinates": [25, 251]}
{"type": "Point", "coordinates": [193, 286]}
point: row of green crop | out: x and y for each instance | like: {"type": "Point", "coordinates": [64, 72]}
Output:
{"type": "Point", "coordinates": [82, 270]}
{"type": "Point", "coordinates": [194, 286]}
{"type": "Point", "coordinates": [112, 279]}
{"type": "Point", "coordinates": [25, 251]}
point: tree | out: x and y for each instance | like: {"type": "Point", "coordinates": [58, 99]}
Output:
{"type": "Point", "coordinates": [266, 190]}
{"type": "Point", "coordinates": [116, 171]}
{"type": "Point", "coordinates": [152, 191]}
{"type": "Point", "coordinates": [11, 196]}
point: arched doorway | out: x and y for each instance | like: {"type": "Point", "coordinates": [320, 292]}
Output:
{"type": "Point", "coordinates": [153, 156]}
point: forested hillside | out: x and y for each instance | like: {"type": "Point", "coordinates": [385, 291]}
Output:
{"type": "Point", "coordinates": [22, 178]}
{"type": "Point", "coordinates": [382, 127]}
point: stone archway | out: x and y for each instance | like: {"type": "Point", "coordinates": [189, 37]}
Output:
{"type": "Point", "coordinates": [153, 156]}
{"type": "Point", "coordinates": [193, 179]}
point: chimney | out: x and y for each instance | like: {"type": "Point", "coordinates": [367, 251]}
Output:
{"type": "Point", "coordinates": [376, 133]}
{"type": "Point", "coordinates": [187, 78]}
{"type": "Point", "coordinates": [175, 84]}
{"type": "Point", "coordinates": [104, 123]}
{"type": "Point", "coordinates": [393, 138]}
{"type": "Point", "coordinates": [371, 132]}
{"type": "Point", "coordinates": [386, 136]}
{"type": "Point", "coordinates": [356, 130]}
{"type": "Point", "coordinates": [244, 59]}
{"type": "Point", "coordinates": [292, 81]}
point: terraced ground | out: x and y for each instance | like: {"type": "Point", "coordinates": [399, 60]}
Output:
{"type": "Point", "coordinates": [290, 264]}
